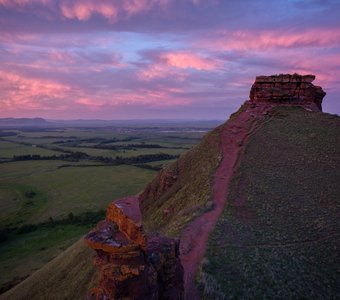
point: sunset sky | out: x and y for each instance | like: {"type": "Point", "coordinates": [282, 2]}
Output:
{"type": "Point", "coordinates": [173, 59]}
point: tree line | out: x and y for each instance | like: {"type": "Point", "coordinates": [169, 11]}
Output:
{"type": "Point", "coordinates": [86, 218]}
{"type": "Point", "coordinates": [118, 160]}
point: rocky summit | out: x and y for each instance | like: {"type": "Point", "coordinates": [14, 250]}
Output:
{"type": "Point", "coordinates": [289, 89]}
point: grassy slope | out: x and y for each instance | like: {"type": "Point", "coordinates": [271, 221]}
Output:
{"type": "Point", "coordinates": [191, 193]}
{"type": "Point", "coordinates": [58, 192]}
{"type": "Point", "coordinates": [23, 254]}
{"type": "Point", "coordinates": [68, 276]}
{"type": "Point", "coordinates": [278, 236]}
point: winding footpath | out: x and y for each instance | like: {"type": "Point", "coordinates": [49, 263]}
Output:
{"type": "Point", "coordinates": [195, 236]}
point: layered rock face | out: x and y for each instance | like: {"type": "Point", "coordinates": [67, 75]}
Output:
{"type": "Point", "coordinates": [133, 265]}
{"type": "Point", "coordinates": [286, 88]}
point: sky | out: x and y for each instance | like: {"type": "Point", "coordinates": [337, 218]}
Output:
{"type": "Point", "coordinates": [159, 59]}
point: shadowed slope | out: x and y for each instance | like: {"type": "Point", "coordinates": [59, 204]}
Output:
{"type": "Point", "coordinates": [278, 236]}
{"type": "Point", "coordinates": [69, 276]}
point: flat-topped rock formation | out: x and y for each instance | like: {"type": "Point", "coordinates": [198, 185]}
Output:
{"type": "Point", "coordinates": [131, 264]}
{"type": "Point", "coordinates": [288, 89]}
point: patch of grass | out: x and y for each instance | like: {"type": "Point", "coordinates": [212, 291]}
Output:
{"type": "Point", "coordinates": [69, 276]}
{"type": "Point", "coordinates": [278, 236]}
{"type": "Point", "coordinates": [19, 203]}
{"type": "Point", "coordinates": [23, 254]}
{"type": "Point", "coordinates": [8, 150]}
{"type": "Point", "coordinates": [67, 189]}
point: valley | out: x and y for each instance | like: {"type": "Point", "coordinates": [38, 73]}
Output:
{"type": "Point", "coordinates": [55, 183]}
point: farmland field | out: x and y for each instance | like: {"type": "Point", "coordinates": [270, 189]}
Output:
{"type": "Point", "coordinates": [56, 183]}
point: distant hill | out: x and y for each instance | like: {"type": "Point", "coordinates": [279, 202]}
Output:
{"type": "Point", "coordinates": [23, 122]}
{"type": "Point", "coordinates": [168, 124]}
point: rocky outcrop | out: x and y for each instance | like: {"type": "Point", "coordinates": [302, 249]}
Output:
{"type": "Point", "coordinates": [133, 265]}
{"type": "Point", "coordinates": [286, 88]}
{"type": "Point", "coordinates": [164, 181]}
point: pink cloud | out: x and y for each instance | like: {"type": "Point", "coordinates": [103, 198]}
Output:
{"type": "Point", "coordinates": [16, 3]}
{"type": "Point", "coordinates": [61, 56]}
{"type": "Point", "coordinates": [110, 10]}
{"type": "Point", "coordinates": [91, 104]}
{"type": "Point", "coordinates": [18, 91]}
{"type": "Point", "coordinates": [149, 97]}
{"type": "Point", "coordinates": [248, 40]}
{"type": "Point", "coordinates": [187, 60]}
{"type": "Point", "coordinates": [175, 63]}
{"type": "Point", "coordinates": [83, 10]}
{"type": "Point", "coordinates": [132, 7]}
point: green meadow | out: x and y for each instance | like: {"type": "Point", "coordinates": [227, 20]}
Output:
{"type": "Point", "coordinates": [56, 184]}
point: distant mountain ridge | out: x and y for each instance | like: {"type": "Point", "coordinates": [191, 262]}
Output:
{"type": "Point", "coordinates": [23, 122]}
{"type": "Point", "coordinates": [40, 122]}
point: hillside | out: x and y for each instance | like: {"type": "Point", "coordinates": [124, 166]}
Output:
{"type": "Point", "coordinates": [69, 276]}
{"type": "Point", "coordinates": [183, 190]}
{"type": "Point", "coordinates": [255, 206]}
{"type": "Point", "coordinates": [278, 235]}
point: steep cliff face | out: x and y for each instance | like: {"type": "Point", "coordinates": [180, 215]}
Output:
{"type": "Point", "coordinates": [133, 265]}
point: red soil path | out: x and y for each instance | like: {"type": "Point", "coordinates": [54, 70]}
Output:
{"type": "Point", "coordinates": [195, 236]}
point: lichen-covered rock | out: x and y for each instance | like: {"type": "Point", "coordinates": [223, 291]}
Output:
{"type": "Point", "coordinates": [286, 88]}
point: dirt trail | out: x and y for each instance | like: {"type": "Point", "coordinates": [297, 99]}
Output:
{"type": "Point", "coordinates": [195, 236]}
